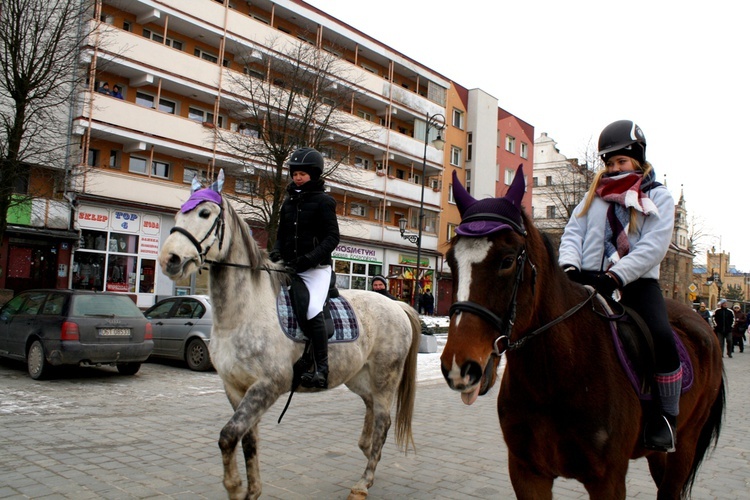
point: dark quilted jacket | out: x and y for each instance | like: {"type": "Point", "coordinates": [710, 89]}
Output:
{"type": "Point", "coordinates": [308, 226]}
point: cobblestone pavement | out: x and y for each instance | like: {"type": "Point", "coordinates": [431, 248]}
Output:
{"type": "Point", "coordinates": [92, 433]}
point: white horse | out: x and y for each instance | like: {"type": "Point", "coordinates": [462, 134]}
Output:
{"type": "Point", "coordinates": [254, 358]}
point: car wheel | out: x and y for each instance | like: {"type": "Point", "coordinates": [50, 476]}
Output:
{"type": "Point", "coordinates": [128, 368]}
{"type": "Point", "coordinates": [37, 362]}
{"type": "Point", "coordinates": [196, 356]}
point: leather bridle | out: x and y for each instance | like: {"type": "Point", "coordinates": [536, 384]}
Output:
{"type": "Point", "coordinates": [504, 325]}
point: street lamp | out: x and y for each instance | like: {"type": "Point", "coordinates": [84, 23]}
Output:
{"type": "Point", "coordinates": [436, 121]}
{"type": "Point", "coordinates": [715, 280]}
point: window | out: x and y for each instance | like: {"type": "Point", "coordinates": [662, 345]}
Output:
{"type": "Point", "coordinates": [451, 199]}
{"type": "Point", "coordinates": [458, 119]}
{"type": "Point", "coordinates": [400, 174]}
{"type": "Point", "coordinates": [248, 130]}
{"type": "Point", "coordinates": [199, 115]}
{"type": "Point", "coordinates": [455, 156]}
{"type": "Point", "coordinates": [524, 150]}
{"type": "Point", "coordinates": [550, 211]}
{"type": "Point", "coordinates": [93, 159]}
{"type": "Point", "coordinates": [356, 275]}
{"type": "Point", "coordinates": [469, 145]}
{"type": "Point", "coordinates": [510, 143]}
{"type": "Point", "coordinates": [254, 73]}
{"type": "Point", "coordinates": [114, 159]}
{"type": "Point", "coordinates": [205, 55]}
{"type": "Point", "coordinates": [364, 115]}
{"type": "Point", "coordinates": [137, 165]}
{"type": "Point", "coordinates": [362, 163]}
{"type": "Point", "coordinates": [384, 215]}
{"type": "Point", "coordinates": [147, 101]}
{"type": "Point", "coordinates": [358, 209]}
{"type": "Point", "coordinates": [535, 181]}
{"type": "Point", "coordinates": [416, 179]}
{"type": "Point", "coordinates": [160, 39]}
{"type": "Point", "coordinates": [189, 173]}
{"type": "Point", "coordinates": [509, 175]}
{"type": "Point", "coordinates": [451, 231]}
{"type": "Point", "coordinates": [140, 166]}
{"type": "Point", "coordinates": [548, 180]}
{"type": "Point", "coordinates": [160, 169]}
{"type": "Point", "coordinates": [246, 186]}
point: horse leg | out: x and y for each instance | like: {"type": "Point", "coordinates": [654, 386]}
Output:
{"type": "Point", "coordinates": [258, 398]}
{"type": "Point", "coordinates": [671, 471]}
{"type": "Point", "coordinates": [527, 484]}
{"type": "Point", "coordinates": [365, 439]}
{"type": "Point", "coordinates": [381, 422]}
{"type": "Point", "coordinates": [250, 442]}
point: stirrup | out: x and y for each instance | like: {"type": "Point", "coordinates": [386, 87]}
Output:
{"type": "Point", "coordinates": [659, 434]}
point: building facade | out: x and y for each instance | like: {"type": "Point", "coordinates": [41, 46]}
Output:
{"type": "Point", "coordinates": [177, 66]}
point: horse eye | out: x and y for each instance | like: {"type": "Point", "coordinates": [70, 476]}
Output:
{"type": "Point", "coordinates": [507, 263]}
{"type": "Point", "coordinates": [204, 213]}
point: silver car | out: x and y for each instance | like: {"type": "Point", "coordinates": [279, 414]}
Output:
{"type": "Point", "coordinates": [182, 329]}
{"type": "Point", "coordinates": [47, 328]}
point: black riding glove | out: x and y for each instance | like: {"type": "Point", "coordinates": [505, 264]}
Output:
{"type": "Point", "coordinates": [573, 273]}
{"type": "Point", "coordinates": [275, 256]}
{"type": "Point", "coordinates": [605, 283]}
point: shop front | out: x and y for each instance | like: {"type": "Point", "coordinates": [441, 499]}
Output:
{"type": "Point", "coordinates": [117, 251]}
{"type": "Point", "coordinates": [355, 265]}
{"type": "Point", "coordinates": [404, 282]}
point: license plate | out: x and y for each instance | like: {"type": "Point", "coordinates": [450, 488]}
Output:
{"type": "Point", "coordinates": [114, 332]}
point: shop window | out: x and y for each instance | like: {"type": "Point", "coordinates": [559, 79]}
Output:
{"type": "Point", "coordinates": [355, 275]}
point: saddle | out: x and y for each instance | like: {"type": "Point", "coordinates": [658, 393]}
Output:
{"type": "Point", "coordinates": [635, 349]}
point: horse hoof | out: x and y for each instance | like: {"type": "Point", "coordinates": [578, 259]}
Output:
{"type": "Point", "coordinates": [357, 495]}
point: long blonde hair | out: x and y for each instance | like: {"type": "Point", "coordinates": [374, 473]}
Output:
{"type": "Point", "coordinates": [591, 194]}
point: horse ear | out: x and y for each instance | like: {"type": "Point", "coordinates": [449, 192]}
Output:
{"type": "Point", "coordinates": [216, 186]}
{"type": "Point", "coordinates": [463, 199]}
{"type": "Point", "coordinates": [516, 189]}
{"type": "Point", "coordinates": [196, 185]}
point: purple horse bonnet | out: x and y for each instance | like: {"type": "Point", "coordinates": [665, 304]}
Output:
{"type": "Point", "coordinates": [490, 215]}
{"type": "Point", "coordinates": [198, 197]}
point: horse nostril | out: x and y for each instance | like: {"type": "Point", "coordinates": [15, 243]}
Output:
{"type": "Point", "coordinates": [174, 259]}
{"type": "Point", "coordinates": [473, 371]}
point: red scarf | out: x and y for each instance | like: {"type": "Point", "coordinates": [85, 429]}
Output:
{"type": "Point", "coordinates": [623, 192]}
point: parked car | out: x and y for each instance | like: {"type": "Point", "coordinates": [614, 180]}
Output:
{"type": "Point", "coordinates": [47, 328]}
{"type": "Point", "coordinates": [182, 329]}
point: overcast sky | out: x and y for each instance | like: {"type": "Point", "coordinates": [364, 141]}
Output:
{"type": "Point", "coordinates": [677, 68]}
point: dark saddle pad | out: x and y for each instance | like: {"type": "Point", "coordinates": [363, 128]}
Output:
{"type": "Point", "coordinates": [635, 351]}
{"type": "Point", "coordinates": [345, 325]}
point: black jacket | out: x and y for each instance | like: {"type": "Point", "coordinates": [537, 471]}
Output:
{"type": "Point", "coordinates": [308, 227]}
{"type": "Point", "coordinates": [724, 319]}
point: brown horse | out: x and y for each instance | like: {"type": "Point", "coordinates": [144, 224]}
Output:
{"type": "Point", "coordinates": [566, 406]}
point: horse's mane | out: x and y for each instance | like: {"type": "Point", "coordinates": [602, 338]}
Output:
{"type": "Point", "coordinates": [259, 261]}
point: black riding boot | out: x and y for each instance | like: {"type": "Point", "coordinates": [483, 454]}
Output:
{"type": "Point", "coordinates": [319, 337]}
{"type": "Point", "coordinates": [660, 433]}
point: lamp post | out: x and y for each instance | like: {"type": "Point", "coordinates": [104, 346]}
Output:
{"type": "Point", "coordinates": [436, 121]}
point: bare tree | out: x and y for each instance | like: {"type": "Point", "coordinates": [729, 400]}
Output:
{"type": "Point", "coordinates": [39, 75]}
{"type": "Point", "coordinates": [293, 95]}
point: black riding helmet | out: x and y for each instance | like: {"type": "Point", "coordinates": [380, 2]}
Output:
{"type": "Point", "coordinates": [307, 160]}
{"type": "Point", "coordinates": [622, 137]}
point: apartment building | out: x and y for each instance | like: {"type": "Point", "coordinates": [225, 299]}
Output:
{"type": "Point", "coordinates": [177, 65]}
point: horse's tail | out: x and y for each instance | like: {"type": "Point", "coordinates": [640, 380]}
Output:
{"type": "Point", "coordinates": [709, 433]}
{"type": "Point", "coordinates": [408, 385]}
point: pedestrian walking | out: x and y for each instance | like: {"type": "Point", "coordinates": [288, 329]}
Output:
{"type": "Point", "coordinates": [739, 328]}
{"type": "Point", "coordinates": [724, 321]}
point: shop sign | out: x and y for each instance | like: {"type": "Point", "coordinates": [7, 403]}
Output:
{"type": "Point", "coordinates": [351, 252]}
{"type": "Point", "coordinates": [151, 224]}
{"type": "Point", "coordinates": [411, 260]}
{"type": "Point", "coordinates": [149, 245]}
{"type": "Point", "coordinates": [93, 217]}
{"type": "Point", "coordinates": [125, 221]}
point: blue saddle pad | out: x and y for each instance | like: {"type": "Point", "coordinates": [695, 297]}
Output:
{"type": "Point", "coordinates": [345, 326]}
